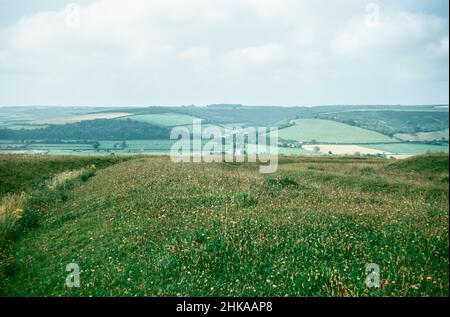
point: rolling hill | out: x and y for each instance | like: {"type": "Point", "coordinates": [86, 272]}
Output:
{"type": "Point", "coordinates": [327, 131]}
{"type": "Point", "coordinates": [163, 119]}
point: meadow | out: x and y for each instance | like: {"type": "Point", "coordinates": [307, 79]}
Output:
{"type": "Point", "coordinates": [328, 131]}
{"type": "Point", "coordinates": [79, 118]}
{"type": "Point", "coordinates": [150, 227]}
{"type": "Point", "coordinates": [163, 119]}
{"type": "Point", "coordinates": [408, 148]}
{"type": "Point", "coordinates": [424, 136]}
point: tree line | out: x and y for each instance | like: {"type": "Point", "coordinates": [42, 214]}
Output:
{"type": "Point", "coordinates": [100, 129]}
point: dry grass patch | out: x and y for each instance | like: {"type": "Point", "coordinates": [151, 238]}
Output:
{"type": "Point", "coordinates": [11, 210]}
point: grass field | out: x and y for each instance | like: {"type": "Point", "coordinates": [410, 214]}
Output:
{"type": "Point", "coordinates": [342, 149]}
{"type": "Point", "coordinates": [12, 117]}
{"type": "Point", "coordinates": [408, 148]}
{"type": "Point", "coordinates": [330, 132]}
{"type": "Point", "coordinates": [84, 117]}
{"type": "Point", "coordinates": [152, 227]}
{"type": "Point", "coordinates": [164, 146]}
{"type": "Point", "coordinates": [163, 119]}
{"type": "Point", "coordinates": [424, 136]}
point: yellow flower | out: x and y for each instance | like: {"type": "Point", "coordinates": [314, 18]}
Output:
{"type": "Point", "coordinates": [429, 278]}
{"type": "Point", "coordinates": [93, 166]}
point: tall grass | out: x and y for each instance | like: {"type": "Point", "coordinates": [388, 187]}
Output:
{"type": "Point", "coordinates": [150, 227]}
{"type": "Point", "coordinates": [61, 179]}
{"type": "Point", "coordinates": [11, 211]}
{"type": "Point", "coordinates": [21, 211]}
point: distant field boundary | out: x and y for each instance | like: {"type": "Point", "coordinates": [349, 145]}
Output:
{"type": "Point", "coordinates": [367, 143]}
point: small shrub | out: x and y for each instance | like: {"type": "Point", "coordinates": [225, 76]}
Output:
{"type": "Point", "coordinates": [86, 175]}
{"type": "Point", "coordinates": [283, 182]}
{"type": "Point", "coordinates": [201, 236]}
{"type": "Point", "coordinates": [315, 168]}
{"type": "Point", "coordinates": [366, 170]}
{"type": "Point", "coordinates": [433, 212]}
{"type": "Point", "coordinates": [63, 195]}
{"type": "Point", "coordinates": [29, 219]}
{"type": "Point", "coordinates": [272, 181]}
{"type": "Point", "coordinates": [286, 181]}
{"type": "Point", "coordinates": [244, 200]}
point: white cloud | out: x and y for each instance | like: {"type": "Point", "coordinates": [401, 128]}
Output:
{"type": "Point", "coordinates": [289, 51]}
{"type": "Point", "coordinates": [440, 48]}
{"type": "Point", "coordinates": [253, 56]}
{"type": "Point", "coordinates": [400, 34]}
{"type": "Point", "coordinates": [196, 53]}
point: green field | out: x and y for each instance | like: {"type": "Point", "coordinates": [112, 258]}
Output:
{"type": "Point", "coordinates": [330, 132]}
{"type": "Point", "coordinates": [149, 129]}
{"type": "Point", "coordinates": [151, 227]}
{"type": "Point", "coordinates": [164, 146]}
{"type": "Point", "coordinates": [425, 136]}
{"type": "Point", "coordinates": [23, 117]}
{"type": "Point", "coordinates": [163, 119]}
{"type": "Point", "coordinates": [252, 148]}
{"type": "Point", "coordinates": [408, 148]}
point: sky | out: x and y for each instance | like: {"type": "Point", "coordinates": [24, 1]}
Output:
{"type": "Point", "coordinates": [253, 52]}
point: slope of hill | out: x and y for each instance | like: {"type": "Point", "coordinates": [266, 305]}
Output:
{"type": "Point", "coordinates": [163, 119]}
{"type": "Point", "coordinates": [20, 172]}
{"type": "Point", "coordinates": [310, 229]}
{"type": "Point", "coordinates": [327, 131]}
{"type": "Point", "coordinates": [389, 122]}
{"type": "Point", "coordinates": [424, 136]}
{"type": "Point", "coordinates": [431, 163]}
{"type": "Point", "coordinates": [98, 129]}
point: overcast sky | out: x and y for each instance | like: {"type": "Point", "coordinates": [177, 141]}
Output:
{"type": "Point", "coordinates": [255, 52]}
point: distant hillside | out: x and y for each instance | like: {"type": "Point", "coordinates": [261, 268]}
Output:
{"type": "Point", "coordinates": [404, 121]}
{"type": "Point", "coordinates": [316, 130]}
{"type": "Point", "coordinates": [101, 129]}
{"type": "Point", "coordinates": [392, 122]}
{"type": "Point", "coordinates": [163, 119]}
{"type": "Point", "coordinates": [387, 120]}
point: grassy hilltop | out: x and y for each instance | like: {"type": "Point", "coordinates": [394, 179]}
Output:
{"type": "Point", "coordinates": [148, 226]}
